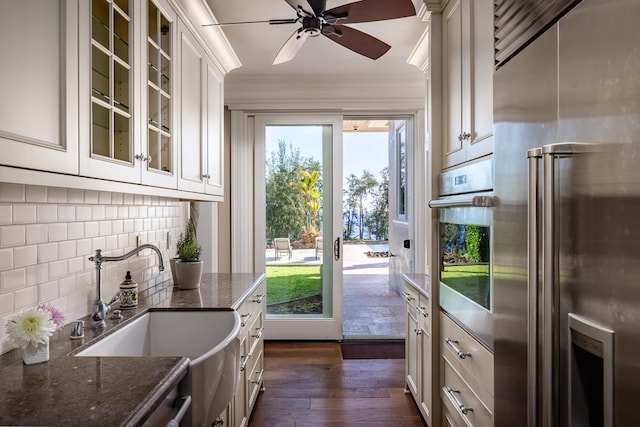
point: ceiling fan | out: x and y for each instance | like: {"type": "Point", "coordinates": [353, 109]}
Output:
{"type": "Point", "coordinates": [317, 20]}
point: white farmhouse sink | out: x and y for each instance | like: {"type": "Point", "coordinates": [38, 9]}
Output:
{"type": "Point", "coordinates": [208, 338]}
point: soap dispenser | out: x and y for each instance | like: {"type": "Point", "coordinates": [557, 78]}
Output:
{"type": "Point", "coordinates": [128, 292]}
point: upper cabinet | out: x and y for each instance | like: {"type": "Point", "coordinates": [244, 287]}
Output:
{"type": "Point", "coordinates": [201, 92]}
{"type": "Point", "coordinates": [467, 65]}
{"type": "Point", "coordinates": [39, 85]}
{"type": "Point", "coordinates": [121, 90]}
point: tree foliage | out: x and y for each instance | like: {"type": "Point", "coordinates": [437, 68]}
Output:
{"type": "Point", "coordinates": [366, 206]}
{"type": "Point", "coordinates": [286, 209]}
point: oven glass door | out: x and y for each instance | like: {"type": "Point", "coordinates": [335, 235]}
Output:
{"type": "Point", "coordinates": [465, 260]}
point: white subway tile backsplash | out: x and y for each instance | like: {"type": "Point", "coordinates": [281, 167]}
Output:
{"type": "Point", "coordinates": [26, 298]}
{"type": "Point", "coordinates": [84, 247]}
{"type": "Point", "coordinates": [13, 192]}
{"type": "Point", "coordinates": [67, 249]}
{"type": "Point", "coordinates": [47, 213]}
{"type": "Point", "coordinates": [75, 230]}
{"type": "Point", "coordinates": [57, 195]}
{"type": "Point", "coordinates": [47, 235]}
{"type": "Point", "coordinates": [57, 232]}
{"type": "Point", "coordinates": [12, 235]}
{"type": "Point", "coordinates": [48, 291]}
{"type": "Point", "coordinates": [6, 259]}
{"type": "Point", "coordinates": [90, 197]}
{"type": "Point", "coordinates": [105, 228]}
{"type": "Point", "coordinates": [36, 274]}
{"type": "Point", "coordinates": [104, 197]}
{"type": "Point", "coordinates": [37, 233]}
{"type": "Point", "coordinates": [67, 213]}
{"type": "Point", "coordinates": [116, 198]}
{"type": "Point", "coordinates": [25, 255]}
{"type": "Point", "coordinates": [12, 280]}
{"type": "Point", "coordinates": [35, 193]}
{"type": "Point", "coordinates": [91, 229]}
{"type": "Point", "coordinates": [75, 196]}
{"type": "Point", "coordinates": [98, 212]}
{"type": "Point", "coordinates": [24, 214]}
{"type": "Point", "coordinates": [83, 213]}
{"type": "Point", "coordinates": [58, 269]}
{"type": "Point", "coordinates": [6, 214]}
{"type": "Point", "coordinates": [6, 306]}
{"type": "Point", "coordinates": [67, 285]}
{"type": "Point", "coordinates": [47, 252]}
{"type": "Point", "coordinates": [111, 212]}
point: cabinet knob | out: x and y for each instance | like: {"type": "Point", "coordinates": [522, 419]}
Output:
{"type": "Point", "coordinates": [206, 176]}
{"type": "Point", "coordinates": [466, 135]}
{"type": "Point", "coordinates": [143, 158]}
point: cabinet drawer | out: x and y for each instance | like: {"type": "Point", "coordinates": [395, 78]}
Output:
{"type": "Point", "coordinates": [458, 397]}
{"type": "Point", "coordinates": [255, 329]}
{"type": "Point", "coordinates": [469, 357]}
{"type": "Point", "coordinates": [254, 377]}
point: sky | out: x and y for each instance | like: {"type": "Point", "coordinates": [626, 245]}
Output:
{"type": "Point", "coordinates": [365, 150]}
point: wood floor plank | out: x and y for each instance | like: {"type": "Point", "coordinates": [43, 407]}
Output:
{"type": "Point", "coordinates": [310, 385]}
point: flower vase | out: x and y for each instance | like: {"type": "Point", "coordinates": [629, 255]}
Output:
{"type": "Point", "coordinates": [32, 355]}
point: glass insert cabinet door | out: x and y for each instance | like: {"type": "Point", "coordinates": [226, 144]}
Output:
{"type": "Point", "coordinates": [159, 87]}
{"type": "Point", "coordinates": [299, 224]}
{"type": "Point", "coordinates": [111, 80]}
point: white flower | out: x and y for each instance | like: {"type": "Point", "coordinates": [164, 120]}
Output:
{"type": "Point", "coordinates": [32, 326]}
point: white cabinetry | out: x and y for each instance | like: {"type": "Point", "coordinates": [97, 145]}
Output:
{"type": "Point", "coordinates": [39, 85]}
{"type": "Point", "coordinates": [251, 362]}
{"type": "Point", "coordinates": [467, 72]}
{"type": "Point", "coordinates": [200, 118]}
{"type": "Point", "coordinates": [418, 350]}
{"type": "Point", "coordinates": [466, 377]}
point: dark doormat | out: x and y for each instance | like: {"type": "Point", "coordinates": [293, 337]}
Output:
{"type": "Point", "coordinates": [368, 349]}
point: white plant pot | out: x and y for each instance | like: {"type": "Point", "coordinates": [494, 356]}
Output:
{"type": "Point", "coordinates": [189, 274]}
{"type": "Point", "coordinates": [32, 355]}
{"type": "Point", "coordinates": [174, 274]}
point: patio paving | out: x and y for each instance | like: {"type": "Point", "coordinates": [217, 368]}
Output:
{"type": "Point", "coordinates": [372, 310]}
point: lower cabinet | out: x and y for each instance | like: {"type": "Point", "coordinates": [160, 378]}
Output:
{"type": "Point", "coordinates": [251, 360]}
{"type": "Point", "coordinates": [466, 377]}
{"type": "Point", "coordinates": [418, 350]}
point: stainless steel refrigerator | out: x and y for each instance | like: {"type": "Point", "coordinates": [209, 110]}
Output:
{"type": "Point", "coordinates": [567, 223]}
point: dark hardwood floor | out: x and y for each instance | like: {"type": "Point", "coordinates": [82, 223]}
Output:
{"type": "Point", "coordinates": [309, 384]}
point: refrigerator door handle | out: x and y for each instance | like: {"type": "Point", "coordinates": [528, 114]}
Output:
{"type": "Point", "coordinates": [483, 201]}
{"type": "Point", "coordinates": [533, 156]}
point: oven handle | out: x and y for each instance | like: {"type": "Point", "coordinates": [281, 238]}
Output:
{"type": "Point", "coordinates": [473, 201]}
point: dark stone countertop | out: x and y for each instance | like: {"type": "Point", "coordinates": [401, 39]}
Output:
{"type": "Point", "coordinates": [418, 281]}
{"type": "Point", "coordinates": [113, 391]}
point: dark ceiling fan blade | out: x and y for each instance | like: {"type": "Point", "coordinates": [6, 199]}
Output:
{"type": "Point", "coordinates": [269, 21]}
{"type": "Point", "coordinates": [356, 40]}
{"type": "Point", "coordinates": [291, 47]}
{"type": "Point", "coordinates": [303, 4]}
{"type": "Point", "coordinates": [371, 10]}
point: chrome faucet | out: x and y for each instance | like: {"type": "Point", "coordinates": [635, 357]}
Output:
{"type": "Point", "coordinates": [101, 308]}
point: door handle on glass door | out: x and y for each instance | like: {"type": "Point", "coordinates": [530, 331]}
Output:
{"type": "Point", "coordinates": [336, 249]}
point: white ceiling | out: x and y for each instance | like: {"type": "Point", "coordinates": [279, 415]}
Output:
{"type": "Point", "coordinates": [257, 44]}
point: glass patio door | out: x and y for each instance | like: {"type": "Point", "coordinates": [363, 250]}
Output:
{"type": "Point", "coordinates": [298, 201]}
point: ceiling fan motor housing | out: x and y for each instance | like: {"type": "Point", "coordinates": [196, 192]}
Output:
{"type": "Point", "coordinates": [311, 26]}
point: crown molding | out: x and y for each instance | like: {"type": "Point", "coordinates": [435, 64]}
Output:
{"type": "Point", "coordinates": [196, 13]}
{"type": "Point", "coordinates": [325, 92]}
{"type": "Point", "coordinates": [435, 6]}
{"type": "Point", "coordinates": [421, 54]}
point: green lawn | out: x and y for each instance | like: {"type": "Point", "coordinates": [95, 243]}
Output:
{"type": "Point", "coordinates": [470, 280]}
{"type": "Point", "coordinates": [288, 283]}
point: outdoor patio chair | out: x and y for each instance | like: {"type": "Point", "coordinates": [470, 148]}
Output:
{"type": "Point", "coordinates": [318, 247]}
{"type": "Point", "coordinates": [282, 244]}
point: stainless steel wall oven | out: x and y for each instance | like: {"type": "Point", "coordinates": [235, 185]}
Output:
{"type": "Point", "coordinates": [466, 247]}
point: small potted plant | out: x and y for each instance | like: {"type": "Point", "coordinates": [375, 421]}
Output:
{"type": "Point", "coordinates": [189, 265]}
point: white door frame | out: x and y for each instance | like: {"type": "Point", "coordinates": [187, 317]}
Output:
{"type": "Point", "coordinates": [307, 328]}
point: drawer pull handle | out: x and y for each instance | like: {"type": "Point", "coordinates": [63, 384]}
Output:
{"type": "Point", "coordinates": [245, 319]}
{"type": "Point", "coordinates": [407, 296]}
{"type": "Point", "coordinates": [258, 380]}
{"type": "Point", "coordinates": [422, 310]}
{"type": "Point", "coordinates": [258, 298]}
{"type": "Point", "coordinates": [454, 395]}
{"type": "Point", "coordinates": [245, 360]}
{"type": "Point", "coordinates": [259, 333]}
{"type": "Point", "coordinates": [417, 331]}
{"type": "Point", "coordinates": [454, 345]}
